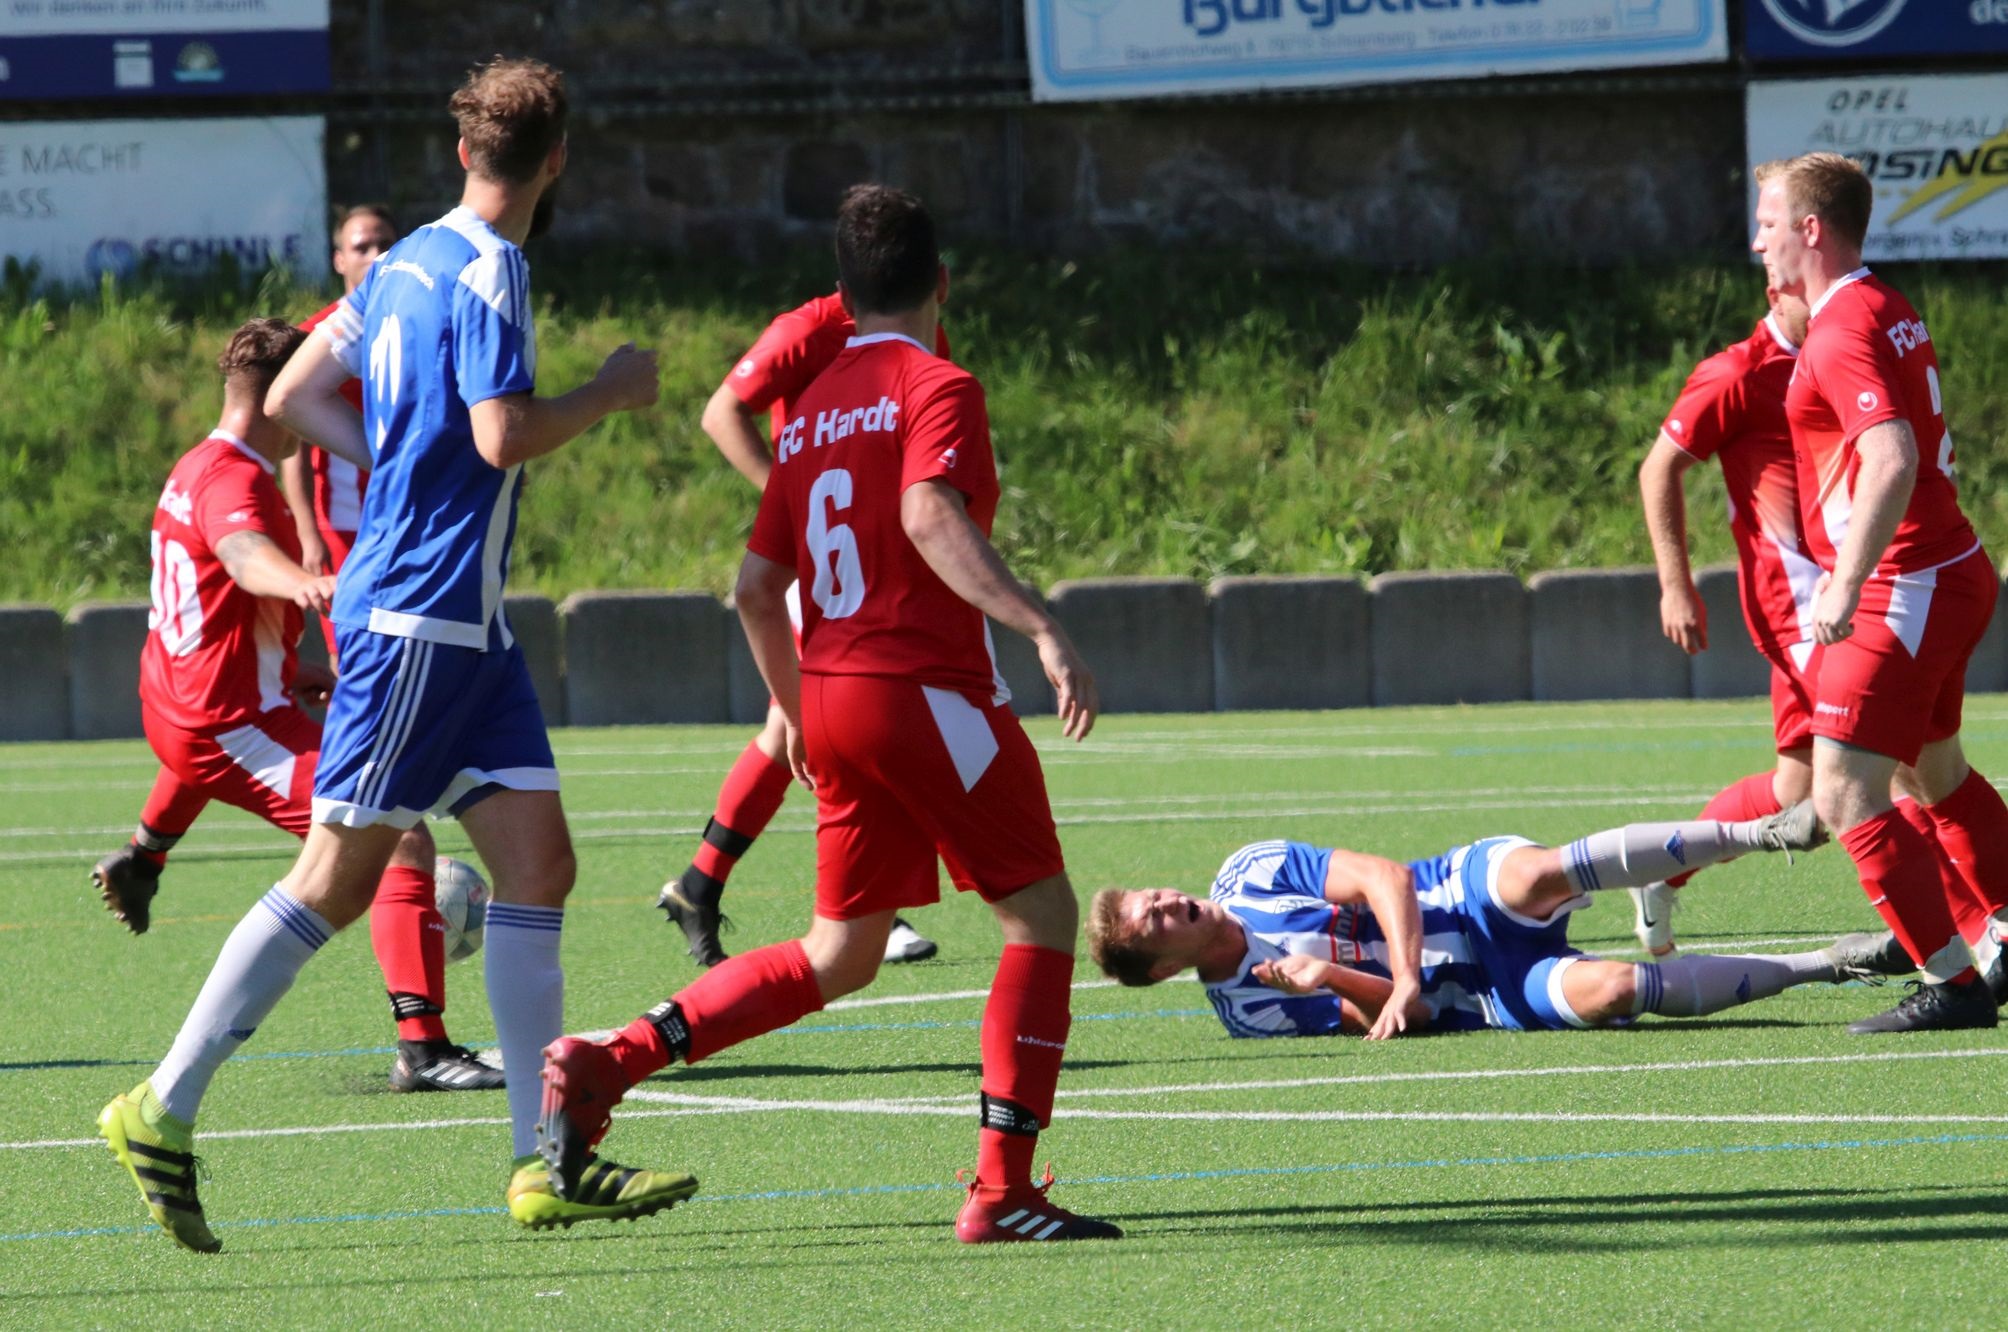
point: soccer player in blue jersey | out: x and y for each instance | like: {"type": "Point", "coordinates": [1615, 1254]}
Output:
{"type": "Point", "coordinates": [434, 709]}
{"type": "Point", "coordinates": [1298, 940]}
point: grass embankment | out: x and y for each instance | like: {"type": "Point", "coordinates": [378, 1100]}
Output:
{"type": "Point", "coordinates": [1152, 413]}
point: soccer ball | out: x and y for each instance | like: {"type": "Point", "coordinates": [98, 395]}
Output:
{"type": "Point", "coordinates": [462, 897]}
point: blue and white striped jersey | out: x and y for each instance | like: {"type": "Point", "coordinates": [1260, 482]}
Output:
{"type": "Point", "coordinates": [1277, 891]}
{"type": "Point", "coordinates": [443, 321]}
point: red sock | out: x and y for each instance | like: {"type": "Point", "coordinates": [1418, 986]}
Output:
{"type": "Point", "coordinates": [409, 939]}
{"type": "Point", "coordinates": [740, 998]}
{"type": "Point", "coordinates": [171, 809]}
{"type": "Point", "coordinates": [1750, 797]}
{"type": "Point", "coordinates": [1968, 915]}
{"type": "Point", "coordinates": [1905, 879]}
{"type": "Point", "coordinates": [1024, 1038]}
{"type": "Point", "coordinates": [753, 790]}
{"type": "Point", "coordinates": [1972, 826]}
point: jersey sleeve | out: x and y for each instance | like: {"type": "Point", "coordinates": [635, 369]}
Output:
{"type": "Point", "coordinates": [1703, 417]}
{"type": "Point", "coordinates": [779, 365]}
{"type": "Point", "coordinates": [230, 499]}
{"type": "Point", "coordinates": [1859, 378]}
{"type": "Point", "coordinates": [342, 325]}
{"type": "Point", "coordinates": [494, 342]}
{"type": "Point", "coordinates": [947, 438]}
{"type": "Point", "coordinates": [773, 536]}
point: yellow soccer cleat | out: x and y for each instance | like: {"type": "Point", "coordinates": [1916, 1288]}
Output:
{"type": "Point", "coordinates": [158, 1151]}
{"type": "Point", "coordinates": [603, 1192]}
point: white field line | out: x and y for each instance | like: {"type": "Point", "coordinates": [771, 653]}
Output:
{"type": "Point", "coordinates": [675, 1103]}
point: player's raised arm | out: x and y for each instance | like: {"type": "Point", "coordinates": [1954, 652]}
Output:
{"type": "Point", "coordinates": [307, 399]}
{"type": "Point", "coordinates": [734, 427]}
{"type": "Point", "coordinates": [516, 427]}
{"type": "Point", "coordinates": [936, 518]}
{"type": "Point", "coordinates": [1682, 616]}
{"type": "Point", "coordinates": [1387, 888]}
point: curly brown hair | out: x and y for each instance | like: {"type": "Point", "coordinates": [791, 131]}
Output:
{"type": "Point", "coordinates": [256, 353]}
{"type": "Point", "coordinates": [511, 114]}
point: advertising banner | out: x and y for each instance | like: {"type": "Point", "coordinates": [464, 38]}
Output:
{"type": "Point", "coordinates": [53, 49]}
{"type": "Point", "coordinates": [83, 198]}
{"type": "Point", "coordinates": [1853, 29]}
{"type": "Point", "coordinates": [1936, 147]}
{"type": "Point", "coordinates": [1095, 49]}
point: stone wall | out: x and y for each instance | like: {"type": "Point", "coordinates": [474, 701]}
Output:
{"type": "Point", "coordinates": [729, 128]}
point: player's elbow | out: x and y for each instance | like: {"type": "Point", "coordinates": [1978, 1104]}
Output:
{"type": "Point", "coordinates": [761, 589]}
{"type": "Point", "coordinates": [928, 515]}
{"type": "Point", "coordinates": [724, 416]}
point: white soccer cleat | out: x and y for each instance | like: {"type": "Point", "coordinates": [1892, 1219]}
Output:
{"type": "Point", "coordinates": [906, 944]}
{"type": "Point", "coordinates": [1654, 926]}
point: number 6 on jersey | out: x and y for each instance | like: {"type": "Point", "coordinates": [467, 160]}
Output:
{"type": "Point", "coordinates": [840, 576]}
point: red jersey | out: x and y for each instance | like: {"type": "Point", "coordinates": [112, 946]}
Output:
{"type": "Point", "coordinates": [1733, 410]}
{"type": "Point", "coordinates": [216, 656]}
{"type": "Point", "coordinates": [1868, 359]}
{"type": "Point", "coordinates": [793, 350]}
{"type": "Point", "coordinates": [885, 415]}
{"type": "Point", "coordinates": [338, 484]}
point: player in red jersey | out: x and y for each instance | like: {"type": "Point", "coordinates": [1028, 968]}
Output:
{"type": "Point", "coordinates": [881, 503]}
{"type": "Point", "coordinates": [325, 492]}
{"type": "Point", "coordinates": [1905, 594]}
{"type": "Point", "coordinates": [219, 684]}
{"type": "Point", "coordinates": [788, 356]}
{"type": "Point", "coordinates": [1733, 411]}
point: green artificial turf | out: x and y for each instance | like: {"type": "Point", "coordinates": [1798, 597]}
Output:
{"type": "Point", "coordinates": [1761, 1168]}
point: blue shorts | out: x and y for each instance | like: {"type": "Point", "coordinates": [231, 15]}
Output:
{"type": "Point", "coordinates": [1520, 959]}
{"type": "Point", "coordinates": [416, 726]}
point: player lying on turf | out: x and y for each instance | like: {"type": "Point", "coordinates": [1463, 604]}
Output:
{"type": "Point", "coordinates": [1296, 940]}
{"type": "Point", "coordinates": [218, 687]}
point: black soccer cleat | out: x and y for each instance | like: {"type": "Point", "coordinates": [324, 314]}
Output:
{"type": "Point", "coordinates": [127, 884]}
{"type": "Point", "coordinates": [691, 902]}
{"type": "Point", "coordinates": [438, 1066]}
{"type": "Point", "coordinates": [1964, 1007]}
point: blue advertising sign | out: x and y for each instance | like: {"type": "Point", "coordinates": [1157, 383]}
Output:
{"type": "Point", "coordinates": [56, 49]}
{"type": "Point", "coordinates": [1848, 29]}
{"type": "Point", "coordinates": [1093, 49]}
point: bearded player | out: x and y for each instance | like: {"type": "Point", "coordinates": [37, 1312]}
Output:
{"type": "Point", "coordinates": [1904, 595]}
{"type": "Point", "coordinates": [220, 692]}
{"type": "Point", "coordinates": [881, 502]}
{"type": "Point", "coordinates": [794, 349]}
{"type": "Point", "coordinates": [1732, 410]}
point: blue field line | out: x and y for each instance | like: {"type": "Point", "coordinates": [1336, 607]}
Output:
{"type": "Point", "coordinates": [1165, 1177]}
{"type": "Point", "coordinates": [814, 1029]}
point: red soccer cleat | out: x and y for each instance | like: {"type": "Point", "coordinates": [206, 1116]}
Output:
{"type": "Point", "coordinates": [582, 1085]}
{"type": "Point", "coordinates": [1023, 1213]}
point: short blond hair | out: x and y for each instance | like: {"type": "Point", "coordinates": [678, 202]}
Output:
{"type": "Point", "coordinates": [1828, 186]}
{"type": "Point", "coordinates": [1110, 945]}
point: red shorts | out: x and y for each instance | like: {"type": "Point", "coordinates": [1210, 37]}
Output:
{"type": "Point", "coordinates": [905, 773]}
{"type": "Point", "coordinates": [266, 766]}
{"type": "Point", "coordinates": [1791, 706]}
{"type": "Point", "coordinates": [339, 545]}
{"type": "Point", "coordinates": [1898, 682]}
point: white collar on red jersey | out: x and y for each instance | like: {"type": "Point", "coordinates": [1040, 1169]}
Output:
{"type": "Point", "coordinates": [870, 338]}
{"type": "Point", "coordinates": [1778, 335]}
{"type": "Point", "coordinates": [245, 449]}
{"type": "Point", "coordinates": [1828, 294]}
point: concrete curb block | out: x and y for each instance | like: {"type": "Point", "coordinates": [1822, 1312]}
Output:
{"type": "Point", "coordinates": [1291, 642]}
{"type": "Point", "coordinates": [1595, 634]}
{"type": "Point", "coordinates": [643, 658]}
{"type": "Point", "coordinates": [534, 622]}
{"type": "Point", "coordinates": [1730, 668]}
{"type": "Point", "coordinates": [105, 638]}
{"type": "Point", "coordinates": [1148, 641]}
{"type": "Point", "coordinates": [1018, 663]}
{"type": "Point", "coordinates": [1987, 669]}
{"type": "Point", "coordinates": [34, 675]}
{"type": "Point", "coordinates": [1450, 638]}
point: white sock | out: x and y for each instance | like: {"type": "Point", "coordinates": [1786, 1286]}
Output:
{"type": "Point", "coordinates": [1697, 984]}
{"type": "Point", "coordinates": [1642, 853]}
{"type": "Point", "coordinates": [526, 993]}
{"type": "Point", "coordinates": [257, 965]}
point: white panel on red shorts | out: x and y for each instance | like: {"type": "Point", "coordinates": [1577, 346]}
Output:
{"type": "Point", "coordinates": [337, 483]}
{"type": "Point", "coordinates": [1868, 359]}
{"type": "Point", "coordinates": [886, 415]}
{"type": "Point", "coordinates": [215, 655]}
{"type": "Point", "coordinates": [793, 350]}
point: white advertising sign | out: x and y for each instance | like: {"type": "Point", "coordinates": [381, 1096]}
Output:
{"type": "Point", "coordinates": [82, 198]}
{"type": "Point", "coordinates": [1093, 49]}
{"type": "Point", "coordinates": [123, 18]}
{"type": "Point", "coordinates": [1935, 146]}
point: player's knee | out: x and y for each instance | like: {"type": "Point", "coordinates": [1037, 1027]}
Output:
{"type": "Point", "coordinates": [1608, 993]}
{"type": "Point", "coordinates": [843, 961]}
{"type": "Point", "coordinates": [542, 876]}
{"type": "Point", "coordinates": [415, 850]}
{"type": "Point", "coordinates": [1044, 913]}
